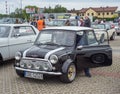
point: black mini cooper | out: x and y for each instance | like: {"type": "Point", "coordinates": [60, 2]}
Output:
{"type": "Point", "coordinates": [61, 51]}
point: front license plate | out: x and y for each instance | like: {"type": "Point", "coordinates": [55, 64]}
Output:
{"type": "Point", "coordinates": [33, 75]}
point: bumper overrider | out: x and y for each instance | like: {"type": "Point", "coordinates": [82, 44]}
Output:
{"type": "Point", "coordinates": [36, 65]}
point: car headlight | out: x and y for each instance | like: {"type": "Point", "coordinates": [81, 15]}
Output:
{"type": "Point", "coordinates": [22, 64]}
{"type": "Point", "coordinates": [37, 66]}
{"type": "Point", "coordinates": [29, 65]}
{"type": "Point", "coordinates": [18, 56]}
{"type": "Point", "coordinates": [53, 59]}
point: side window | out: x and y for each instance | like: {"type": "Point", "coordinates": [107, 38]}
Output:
{"type": "Point", "coordinates": [91, 38]}
{"type": "Point", "coordinates": [107, 26]}
{"type": "Point", "coordinates": [81, 38]}
{"type": "Point", "coordinates": [73, 23]}
{"type": "Point", "coordinates": [23, 31]}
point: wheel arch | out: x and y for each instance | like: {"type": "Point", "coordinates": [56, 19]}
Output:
{"type": "Point", "coordinates": [66, 64]}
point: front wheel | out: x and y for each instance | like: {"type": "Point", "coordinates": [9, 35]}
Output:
{"type": "Point", "coordinates": [70, 74]}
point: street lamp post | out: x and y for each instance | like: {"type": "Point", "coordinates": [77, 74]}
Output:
{"type": "Point", "coordinates": [21, 6]}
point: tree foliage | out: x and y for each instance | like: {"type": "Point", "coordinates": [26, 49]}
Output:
{"type": "Point", "coordinates": [21, 13]}
{"type": "Point", "coordinates": [57, 9]}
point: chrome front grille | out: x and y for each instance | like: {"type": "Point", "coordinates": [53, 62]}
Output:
{"type": "Point", "coordinates": [36, 64]}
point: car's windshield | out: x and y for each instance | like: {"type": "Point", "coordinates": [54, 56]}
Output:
{"type": "Point", "coordinates": [98, 26]}
{"type": "Point", "coordinates": [56, 37]}
{"type": "Point", "coordinates": [4, 31]}
{"type": "Point", "coordinates": [56, 23]}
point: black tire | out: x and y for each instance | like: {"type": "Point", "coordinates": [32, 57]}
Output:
{"type": "Point", "coordinates": [118, 34]}
{"type": "Point", "coordinates": [70, 74]}
{"type": "Point", "coordinates": [113, 36]}
{"type": "Point", "coordinates": [20, 73]}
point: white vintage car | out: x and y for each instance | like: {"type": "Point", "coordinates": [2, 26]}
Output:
{"type": "Point", "coordinates": [103, 28]}
{"type": "Point", "coordinates": [15, 37]}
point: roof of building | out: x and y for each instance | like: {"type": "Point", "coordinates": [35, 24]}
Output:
{"type": "Point", "coordinates": [100, 9]}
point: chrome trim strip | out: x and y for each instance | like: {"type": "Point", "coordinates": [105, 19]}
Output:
{"type": "Point", "coordinates": [38, 59]}
{"type": "Point", "coordinates": [27, 58]}
{"type": "Point", "coordinates": [36, 71]}
{"type": "Point", "coordinates": [24, 53]}
{"type": "Point", "coordinates": [53, 51]}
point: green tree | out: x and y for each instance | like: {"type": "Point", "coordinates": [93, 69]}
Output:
{"type": "Point", "coordinates": [59, 9]}
{"type": "Point", "coordinates": [48, 10]}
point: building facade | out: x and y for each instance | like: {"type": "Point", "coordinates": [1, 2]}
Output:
{"type": "Point", "coordinates": [100, 12]}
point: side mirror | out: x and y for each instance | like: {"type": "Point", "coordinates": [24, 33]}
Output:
{"type": "Point", "coordinates": [102, 38]}
{"type": "Point", "coordinates": [79, 47]}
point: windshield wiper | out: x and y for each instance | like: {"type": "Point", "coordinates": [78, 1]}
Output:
{"type": "Point", "coordinates": [51, 43]}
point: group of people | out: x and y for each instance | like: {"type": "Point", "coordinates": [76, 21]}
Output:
{"type": "Point", "coordinates": [39, 24]}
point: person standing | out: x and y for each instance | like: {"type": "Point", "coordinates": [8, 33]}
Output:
{"type": "Point", "coordinates": [81, 22]}
{"type": "Point", "coordinates": [87, 23]}
{"type": "Point", "coordinates": [77, 17]}
{"type": "Point", "coordinates": [34, 23]}
{"type": "Point", "coordinates": [40, 24]}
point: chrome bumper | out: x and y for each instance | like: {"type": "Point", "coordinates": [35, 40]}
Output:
{"type": "Point", "coordinates": [36, 71]}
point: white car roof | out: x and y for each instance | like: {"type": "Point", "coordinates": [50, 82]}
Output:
{"type": "Point", "coordinates": [73, 28]}
{"type": "Point", "coordinates": [15, 25]}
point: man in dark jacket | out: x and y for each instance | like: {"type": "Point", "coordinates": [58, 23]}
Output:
{"type": "Point", "coordinates": [87, 22]}
{"type": "Point", "coordinates": [34, 23]}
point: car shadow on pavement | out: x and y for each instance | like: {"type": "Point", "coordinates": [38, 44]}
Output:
{"type": "Point", "coordinates": [7, 63]}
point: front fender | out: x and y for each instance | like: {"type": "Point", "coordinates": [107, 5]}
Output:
{"type": "Point", "coordinates": [65, 65]}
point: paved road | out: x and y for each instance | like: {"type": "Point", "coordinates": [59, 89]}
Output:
{"type": "Point", "coordinates": [105, 80]}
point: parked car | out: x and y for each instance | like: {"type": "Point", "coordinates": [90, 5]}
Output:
{"type": "Point", "coordinates": [117, 28]}
{"type": "Point", "coordinates": [15, 37]}
{"type": "Point", "coordinates": [100, 28]}
{"type": "Point", "coordinates": [11, 20]}
{"type": "Point", "coordinates": [61, 22]}
{"type": "Point", "coordinates": [61, 51]}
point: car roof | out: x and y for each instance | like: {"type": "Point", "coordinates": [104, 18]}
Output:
{"type": "Point", "coordinates": [15, 25]}
{"type": "Point", "coordinates": [72, 28]}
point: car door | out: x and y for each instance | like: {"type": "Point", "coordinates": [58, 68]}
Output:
{"type": "Point", "coordinates": [4, 38]}
{"type": "Point", "coordinates": [22, 37]}
{"type": "Point", "coordinates": [91, 54]}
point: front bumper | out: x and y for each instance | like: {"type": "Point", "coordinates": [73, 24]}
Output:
{"type": "Point", "coordinates": [36, 71]}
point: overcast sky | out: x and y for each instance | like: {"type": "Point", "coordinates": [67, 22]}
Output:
{"type": "Point", "coordinates": [69, 4]}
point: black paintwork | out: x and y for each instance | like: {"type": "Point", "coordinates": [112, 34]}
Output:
{"type": "Point", "coordinates": [81, 57]}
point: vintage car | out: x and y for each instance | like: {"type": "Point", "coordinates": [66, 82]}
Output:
{"type": "Point", "coordinates": [117, 28]}
{"type": "Point", "coordinates": [61, 22]}
{"type": "Point", "coordinates": [61, 51]}
{"type": "Point", "coordinates": [15, 37]}
{"type": "Point", "coordinates": [101, 28]}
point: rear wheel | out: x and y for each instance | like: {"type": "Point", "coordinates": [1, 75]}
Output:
{"type": "Point", "coordinates": [70, 74]}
